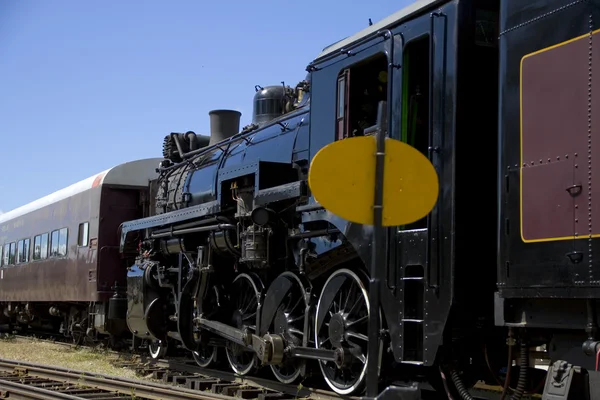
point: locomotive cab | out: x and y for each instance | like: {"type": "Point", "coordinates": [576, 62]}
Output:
{"type": "Point", "coordinates": [441, 96]}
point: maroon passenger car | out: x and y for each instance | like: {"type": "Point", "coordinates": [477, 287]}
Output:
{"type": "Point", "coordinates": [60, 264]}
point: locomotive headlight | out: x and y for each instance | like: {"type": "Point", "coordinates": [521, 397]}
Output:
{"type": "Point", "coordinates": [262, 216]}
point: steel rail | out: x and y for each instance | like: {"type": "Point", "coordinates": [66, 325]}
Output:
{"type": "Point", "coordinates": [180, 370]}
{"type": "Point", "coordinates": [253, 381]}
{"type": "Point", "coordinates": [111, 384]}
{"type": "Point", "coordinates": [20, 391]}
{"type": "Point", "coordinates": [170, 371]}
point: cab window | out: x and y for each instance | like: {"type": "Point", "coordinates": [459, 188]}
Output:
{"type": "Point", "coordinates": [360, 88]}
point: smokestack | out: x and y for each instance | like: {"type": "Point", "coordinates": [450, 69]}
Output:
{"type": "Point", "coordinates": [223, 124]}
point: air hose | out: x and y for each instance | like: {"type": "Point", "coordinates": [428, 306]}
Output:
{"type": "Point", "coordinates": [460, 386]}
{"type": "Point", "coordinates": [524, 365]}
{"type": "Point", "coordinates": [521, 383]}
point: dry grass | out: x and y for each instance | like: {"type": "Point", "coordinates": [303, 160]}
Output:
{"type": "Point", "coordinates": [46, 353]}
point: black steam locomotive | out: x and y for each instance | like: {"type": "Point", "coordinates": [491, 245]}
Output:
{"type": "Point", "coordinates": [231, 254]}
{"type": "Point", "coordinates": [499, 95]}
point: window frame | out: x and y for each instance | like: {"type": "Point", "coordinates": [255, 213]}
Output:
{"type": "Point", "coordinates": [342, 102]}
{"type": "Point", "coordinates": [12, 253]}
{"type": "Point", "coordinates": [346, 96]}
{"type": "Point", "coordinates": [59, 236]}
{"type": "Point", "coordinates": [6, 254]}
{"type": "Point", "coordinates": [86, 234]}
{"type": "Point", "coordinates": [42, 256]}
{"type": "Point", "coordinates": [26, 250]}
{"type": "Point", "coordinates": [62, 231]}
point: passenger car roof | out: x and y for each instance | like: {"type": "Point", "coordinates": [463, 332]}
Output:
{"type": "Point", "coordinates": [133, 173]}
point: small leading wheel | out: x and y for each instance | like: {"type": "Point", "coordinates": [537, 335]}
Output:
{"type": "Point", "coordinates": [157, 349]}
{"type": "Point", "coordinates": [341, 322]}
{"type": "Point", "coordinates": [245, 306]}
{"type": "Point", "coordinates": [289, 323]}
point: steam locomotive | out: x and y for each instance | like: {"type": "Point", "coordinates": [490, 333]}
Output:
{"type": "Point", "coordinates": [223, 250]}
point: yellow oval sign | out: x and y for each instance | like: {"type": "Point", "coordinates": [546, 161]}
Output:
{"type": "Point", "coordinates": [342, 179]}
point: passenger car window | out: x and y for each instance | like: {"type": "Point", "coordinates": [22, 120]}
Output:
{"type": "Point", "coordinates": [40, 246]}
{"type": "Point", "coordinates": [20, 251]}
{"type": "Point", "coordinates": [44, 246]}
{"type": "Point", "coordinates": [37, 247]}
{"type": "Point", "coordinates": [5, 254]}
{"type": "Point", "coordinates": [83, 234]}
{"type": "Point", "coordinates": [12, 253]}
{"type": "Point", "coordinates": [62, 242]}
{"type": "Point", "coordinates": [23, 251]}
{"type": "Point", "coordinates": [54, 244]}
{"type": "Point", "coordinates": [26, 246]}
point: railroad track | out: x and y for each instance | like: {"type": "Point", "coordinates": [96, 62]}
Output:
{"type": "Point", "coordinates": [183, 375]}
{"type": "Point", "coordinates": [184, 372]}
{"type": "Point", "coordinates": [187, 373]}
{"type": "Point", "coordinates": [181, 370]}
{"type": "Point", "coordinates": [20, 380]}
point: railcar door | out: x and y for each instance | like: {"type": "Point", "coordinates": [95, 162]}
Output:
{"type": "Point", "coordinates": [412, 246]}
{"type": "Point", "coordinates": [117, 206]}
{"type": "Point", "coordinates": [415, 271]}
{"type": "Point", "coordinates": [405, 67]}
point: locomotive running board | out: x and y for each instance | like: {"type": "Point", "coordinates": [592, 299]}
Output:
{"type": "Point", "coordinates": [269, 348]}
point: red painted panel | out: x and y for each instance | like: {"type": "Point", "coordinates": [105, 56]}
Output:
{"type": "Point", "coordinates": [554, 102]}
{"type": "Point", "coordinates": [547, 208]}
{"type": "Point", "coordinates": [593, 168]}
{"type": "Point", "coordinates": [555, 133]}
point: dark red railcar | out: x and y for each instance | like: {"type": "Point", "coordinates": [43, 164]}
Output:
{"type": "Point", "coordinates": [59, 254]}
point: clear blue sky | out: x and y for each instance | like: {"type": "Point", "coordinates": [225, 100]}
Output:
{"type": "Point", "coordinates": [86, 85]}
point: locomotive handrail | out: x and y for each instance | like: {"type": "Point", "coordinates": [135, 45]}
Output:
{"type": "Point", "coordinates": [241, 135]}
{"type": "Point", "coordinates": [431, 148]}
{"type": "Point", "coordinates": [193, 230]}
